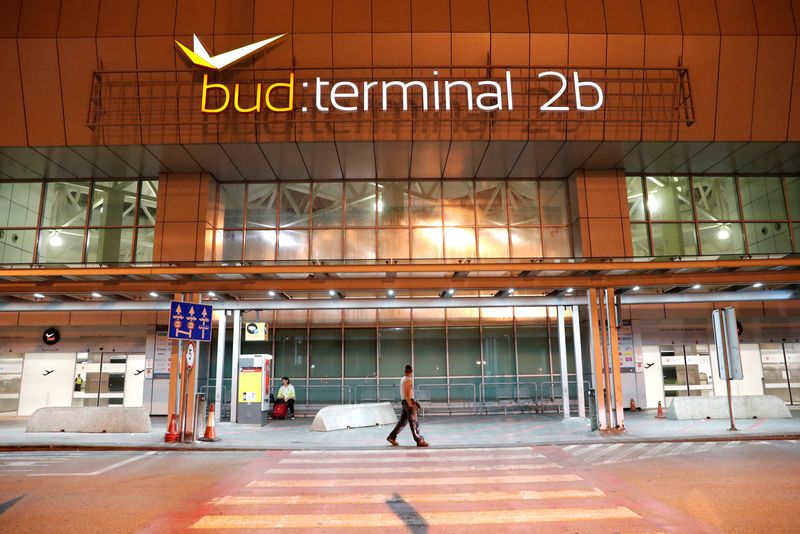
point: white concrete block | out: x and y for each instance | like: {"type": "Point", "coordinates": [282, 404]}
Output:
{"type": "Point", "coordinates": [744, 407]}
{"type": "Point", "coordinates": [338, 417]}
{"type": "Point", "coordinates": [112, 420]}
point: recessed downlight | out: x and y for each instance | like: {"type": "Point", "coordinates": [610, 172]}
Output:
{"type": "Point", "coordinates": [154, 294]}
{"type": "Point", "coordinates": [390, 292]}
{"type": "Point", "coordinates": [636, 288]}
{"type": "Point", "coordinates": [758, 284]}
{"type": "Point", "coordinates": [212, 294]}
{"type": "Point", "coordinates": [96, 295]}
{"type": "Point", "coordinates": [570, 289]}
{"type": "Point", "coordinates": [271, 293]}
{"type": "Point", "coordinates": [38, 296]}
{"type": "Point", "coordinates": [332, 292]}
{"type": "Point", "coordinates": [451, 291]}
{"type": "Point", "coordinates": [696, 286]}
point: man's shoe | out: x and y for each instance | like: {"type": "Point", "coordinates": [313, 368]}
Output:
{"type": "Point", "coordinates": [292, 417]}
{"type": "Point", "coordinates": [393, 442]}
{"type": "Point", "coordinates": [422, 443]}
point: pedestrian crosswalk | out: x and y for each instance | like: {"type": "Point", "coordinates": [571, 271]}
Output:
{"type": "Point", "coordinates": [613, 453]}
{"type": "Point", "coordinates": [462, 489]}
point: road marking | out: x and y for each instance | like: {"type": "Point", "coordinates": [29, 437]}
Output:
{"type": "Point", "coordinates": [586, 449]}
{"type": "Point", "coordinates": [707, 446]}
{"type": "Point", "coordinates": [493, 517]}
{"type": "Point", "coordinates": [601, 452]}
{"type": "Point", "coordinates": [99, 471]}
{"type": "Point", "coordinates": [408, 469]}
{"type": "Point", "coordinates": [380, 498]}
{"type": "Point", "coordinates": [731, 444]}
{"type": "Point", "coordinates": [569, 447]}
{"type": "Point", "coordinates": [402, 450]}
{"type": "Point", "coordinates": [404, 459]}
{"type": "Point", "coordinates": [393, 482]}
{"type": "Point", "coordinates": [624, 452]}
{"type": "Point", "coordinates": [680, 449]}
{"type": "Point", "coordinates": [656, 450]}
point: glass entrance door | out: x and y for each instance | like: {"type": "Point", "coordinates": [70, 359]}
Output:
{"type": "Point", "coordinates": [780, 363]}
{"type": "Point", "coordinates": [686, 371]}
{"type": "Point", "coordinates": [99, 379]}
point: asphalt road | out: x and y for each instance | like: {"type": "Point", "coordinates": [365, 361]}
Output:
{"type": "Point", "coordinates": [672, 487]}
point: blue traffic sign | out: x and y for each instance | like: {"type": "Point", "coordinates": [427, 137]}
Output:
{"type": "Point", "coordinates": [189, 320]}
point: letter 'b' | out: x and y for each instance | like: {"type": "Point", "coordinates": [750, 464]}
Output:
{"type": "Point", "coordinates": [206, 87]}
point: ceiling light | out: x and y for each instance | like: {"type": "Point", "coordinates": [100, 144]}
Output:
{"type": "Point", "coordinates": [451, 291]}
{"type": "Point", "coordinates": [96, 295]}
{"type": "Point", "coordinates": [55, 240]}
{"type": "Point", "coordinates": [696, 286]}
{"type": "Point", "coordinates": [212, 294]}
{"type": "Point", "coordinates": [271, 293]}
{"type": "Point", "coordinates": [652, 202]}
{"type": "Point", "coordinates": [723, 234]}
{"type": "Point", "coordinates": [758, 284]}
{"type": "Point", "coordinates": [38, 296]}
{"type": "Point", "coordinates": [331, 292]}
{"type": "Point", "coordinates": [390, 292]}
{"type": "Point", "coordinates": [511, 291]}
{"type": "Point", "coordinates": [636, 288]}
{"type": "Point", "coordinates": [570, 290]}
{"type": "Point", "coordinates": [153, 294]}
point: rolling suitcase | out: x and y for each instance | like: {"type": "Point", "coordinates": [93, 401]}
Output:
{"type": "Point", "coordinates": [279, 410]}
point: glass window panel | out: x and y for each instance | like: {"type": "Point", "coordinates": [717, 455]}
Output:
{"type": "Point", "coordinates": [426, 243]}
{"type": "Point", "coordinates": [61, 246]}
{"type": "Point", "coordinates": [294, 205]}
{"type": "Point", "coordinates": [793, 196]}
{"type": "Point", "coordinates": [293, 245]}
{"type": "Point", "coordinates": [326, 353]}
{"type": "Point", "coordinates": [113, 203]}
{"type": "Point", "coordinates": [291, 352]}
{"type": "Point", "coordinates": [16, 246]}
{"type": "Point", "coordinates": [395, 350]}
{"type": "Point", "coordinates": [464, 347]}
{"type": "Point", "coordinates": [326, 244]}
{"type": "Point", "coordinates": [532, 350]}
{"type": "Point", "coordinates": [426, 203]}
{"type": "Point", "coordinates": [260, 245]}
{"type": "Point", "coordinates": [458, 200]}
{"type": "Point", "coordinates": [498, 350]}
{"type": "Point", "coordinates": [361, 204]}
{"type": "Point", "coordinates": [674, 239]}
{"type": "Point", "coordinates": [360, 353]}
{"type": "Point", "coordinates": [19, 203]}
{"type": "Point", "coordinates": [231, 245]}
{"type": "Point", "coordinates": [231, 204]}
{"type": "Point", "coordinates": [762, 198]}
{"type": "Point", "coordinates": [669, 198]}
{"type": "Point", "coordinates": [262, 205]}
{"type": "Point", "coordinates": [359, 244]}
{"type": "Point", "coordinates": [109, 245]}
{"type": "Point", "coordinates": [148, 201]}
{"type": "Point", "coordinates": [641, 239]}
{"type": "Point", "coordinates": [716, 238]}
{"type": "Point", "coordinates": [523, 202]}
{"type": "Point", "coordinates": [430, 357]}
{"type": "Point", "coordinates": [557, 242]}
{"type": "Point", "coordinates": [635, 198]}
{"type": "Point", "coordinates": [327, 208]}
{"type": "Point", "coordinates": [768, 238]}
{"type": "Point", "coordinates": [393, 203]}
{"type": "Point", "coordinates": [65, 203]}
{"type": "Point", "coordinates": [490, 203]}
{"type": "Point", "coordinates": [393, 244]}
{"type": "Point", "coordinates": [796, 232]}
{"type": "Point", "coordinates": [715, 198]}
{"type": "Point", "coordinates": [493, 243]}
{"type": "Point", "coordinates": [555, 206]}
{"type": "Point", "coordinates": [144, 244]}
{"type": "Point", "coordinates": [526, 242]}
{"type": "Point", "coordinates": [459, 242]}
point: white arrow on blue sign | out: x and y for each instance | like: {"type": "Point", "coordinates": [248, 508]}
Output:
{"type": "Point", "coordinates": [189, 320]}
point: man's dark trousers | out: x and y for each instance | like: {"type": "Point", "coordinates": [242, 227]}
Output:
{"type": "Point", "coordinates": [410, 415]}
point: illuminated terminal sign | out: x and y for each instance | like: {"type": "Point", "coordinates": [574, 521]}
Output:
{"type": "Point", "coordinates": [349, 96]}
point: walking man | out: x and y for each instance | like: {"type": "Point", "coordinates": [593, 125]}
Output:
{"type": "Point", "coordinates": [410, 412]}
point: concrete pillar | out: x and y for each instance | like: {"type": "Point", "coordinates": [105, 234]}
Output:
{"type": "Point", "coordinates": [576, 339]}
{"type": "Point", "coordinates": [235, 351]}
{"type": "Point", "coordinates": [562, 351]}
{"type": "Point", "coordinates": [220, 373]}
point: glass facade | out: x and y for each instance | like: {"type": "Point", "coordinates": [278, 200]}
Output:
{"type": "Point", "coordinates": [398, 219]}
{"type": "Point", "coordinates": [82, 221]}
{"type": "Point", "coordinates": [471, 353]}
{"type": "Point", "coordinates": [677, 216]}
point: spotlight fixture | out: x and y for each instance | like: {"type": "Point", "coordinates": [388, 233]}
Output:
{"type": "Point", "coordinates": [696, 286]}
{"type": "Point", "coordinates": [390, 292]}
{"type": "Point", "coordinates": [38, 296]}
{"type": "Point", "coordinates": [271, 293]}
{"type": "Point", "coordinates": [570, 290]}
{"type": "Point", "coordinates": [757, 284]}
{"type": "Point", "coordinates": [451, 291]}
{"type": "Point", "coordinates": [332, 293]}
{"type": "Point", "coordinates": [511, 291]}
{"type": "Point", "coordinates": [636, 288]}
{"type": "Point", "coordinates": [212, 294]}
{"type": "Point", "coordinates": [154, 294]}
{"type": "Point", "coordinates": [96, 295]}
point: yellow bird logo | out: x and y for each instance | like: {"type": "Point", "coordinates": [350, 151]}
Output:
{"type": "Point", "coordinates": [200, 56]}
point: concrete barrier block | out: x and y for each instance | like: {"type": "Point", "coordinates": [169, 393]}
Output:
{"type": "Point", "coordinates": [744, 406]}
{"type": "Point", "coordinates": [343, 416]}
{"type": "Point", "coordinates": [90, 419]}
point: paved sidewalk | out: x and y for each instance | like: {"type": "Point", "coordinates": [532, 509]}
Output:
{"type": "Point", "coordinates": [440, 431]}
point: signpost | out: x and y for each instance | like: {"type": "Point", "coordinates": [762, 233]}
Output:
{"type": "Point", "coordinates": [729, 358]}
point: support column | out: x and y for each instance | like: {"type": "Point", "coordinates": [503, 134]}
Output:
{"type": "Point", "coordinates": [235, 351]}
{"type": "Point", "coordinates": [576, 339]}
{"type": "Point", "coordinates": [597, 358]}
{"type": "Point", "coordinates": [218, 384]}
{"type": "Point", "coordinates": [613, 342]}
{"type": "Point", "coordinates": [562, 352]}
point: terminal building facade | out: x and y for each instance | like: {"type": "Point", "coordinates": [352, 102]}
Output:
{"type": "Point", "coordinates": [490, 190]}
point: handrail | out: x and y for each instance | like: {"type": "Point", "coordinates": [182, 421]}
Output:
{"type": "Point", "coordinates": [342, 387]}
{"type": "Point", "coordinates": [515, 385]}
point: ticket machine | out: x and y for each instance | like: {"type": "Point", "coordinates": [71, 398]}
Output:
{"type": "Point", "coordinates": [253, 396]}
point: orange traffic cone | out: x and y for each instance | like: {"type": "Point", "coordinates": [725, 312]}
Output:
{"type": "Point", "coordinates": [660, 414]}
{"type": "Point", "coordinates": [211, 431]}
{"type": "Point", "coordinates": [172, 432]}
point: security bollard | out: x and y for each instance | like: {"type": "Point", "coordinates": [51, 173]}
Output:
{"type": "Point", "coordinates": [199, 413]}
{"type": "Point", "coordinates": [593, 409]}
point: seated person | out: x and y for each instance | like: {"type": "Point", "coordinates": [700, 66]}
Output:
{"type": "Point", "coordinates": [286, 394]}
